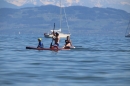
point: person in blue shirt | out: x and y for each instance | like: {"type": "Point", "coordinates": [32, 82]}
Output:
{"type": "Point", "coordinates": [40, 44]}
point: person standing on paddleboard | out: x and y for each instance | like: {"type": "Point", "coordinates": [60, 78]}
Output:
{"type": "Point", "coordinates": [56, 39]}
{"type": "Point", "coordinates": [40, 44]}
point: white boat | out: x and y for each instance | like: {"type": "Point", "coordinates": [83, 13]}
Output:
{"type": "Point", "coordinates": [127, 34]}
{"type": "Point", "coordinates": [62, 35]}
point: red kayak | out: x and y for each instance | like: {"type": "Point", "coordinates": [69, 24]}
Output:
{"type": "Point", "coordinates": [28, 47]}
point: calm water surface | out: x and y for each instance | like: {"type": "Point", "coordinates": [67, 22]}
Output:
{"type": "Point", "coordinates": [97, 61]}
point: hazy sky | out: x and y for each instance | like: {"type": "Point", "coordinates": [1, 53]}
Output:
{"type": "Point", "coordinates": [118, 4]}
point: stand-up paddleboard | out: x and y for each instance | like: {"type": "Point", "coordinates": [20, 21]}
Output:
{"type": "Point", "coordinates": [34, 48]}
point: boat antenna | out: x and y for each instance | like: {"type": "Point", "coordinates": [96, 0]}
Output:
{"type": "Point", "coordinates": [60, 14]}
{"type": "Point", "coordinates": [66, 20]}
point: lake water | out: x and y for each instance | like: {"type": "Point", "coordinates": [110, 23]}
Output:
{"type": "Point", "coordinates": [97, 61]}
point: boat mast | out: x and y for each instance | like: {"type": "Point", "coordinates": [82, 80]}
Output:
{"type": "Point", "coordinates": [60, 14]}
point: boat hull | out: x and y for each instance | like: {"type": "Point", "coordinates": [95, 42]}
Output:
{"type": "Point", "coordinates": [48, 35]}
{"type": "Point", "coordinates": [127, 35]}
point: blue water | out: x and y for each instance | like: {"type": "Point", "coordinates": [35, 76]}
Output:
{"type": "Point", "coordinates": [97, 61]}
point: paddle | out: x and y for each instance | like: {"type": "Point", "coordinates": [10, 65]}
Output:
{"type": "Point", "coordinates": [78, 46]}
{"type": "Point", "coordinates": [52, 36]}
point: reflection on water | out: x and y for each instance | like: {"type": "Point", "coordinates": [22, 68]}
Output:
{"type": "Point", "coordinates": [97, 62]}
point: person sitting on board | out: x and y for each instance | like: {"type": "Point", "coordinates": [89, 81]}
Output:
{"type": "Point", "coordinates": [40, 44]}
{"type": "Point", "coordinates": [68, 43]}
{"type": "Point", "coordinates": [56, 39]}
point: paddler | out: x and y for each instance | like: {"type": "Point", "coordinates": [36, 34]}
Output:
{"type": "Point", "coordinates": [56, 39]}
{"type": "Point", "coordinates": [40, 44]}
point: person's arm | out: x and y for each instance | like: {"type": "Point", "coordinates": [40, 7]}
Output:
{"type": "Point", "coordinates": [53, 33]}
{"type": "Point", "coordinates": [71, 43]}
{"type": "Point", "coordinates": [58, 39]}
